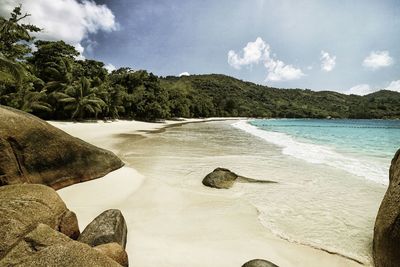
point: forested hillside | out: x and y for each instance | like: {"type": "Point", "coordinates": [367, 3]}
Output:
{"type": "Point", "coordinates": [227, 96]}
{"type": "Point", "coordinates": [50, 82]}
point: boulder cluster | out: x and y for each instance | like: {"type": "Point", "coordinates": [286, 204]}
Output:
{"type": "Point", "coordinates": [39, 230]}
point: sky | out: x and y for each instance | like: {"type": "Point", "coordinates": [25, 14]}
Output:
{"type": "Point", "coordinates": [347, 46]}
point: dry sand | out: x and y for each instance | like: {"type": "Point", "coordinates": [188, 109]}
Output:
{"type": "Point", "coordinates": [170, 226]}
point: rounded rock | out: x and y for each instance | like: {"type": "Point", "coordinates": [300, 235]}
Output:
{"type": "Point", "coordinates": [259, 263]}
{"type": "Point", "coordinates": [115, 252]}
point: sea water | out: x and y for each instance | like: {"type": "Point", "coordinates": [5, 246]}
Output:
{"type": "Point", "coordinates": [335, 211]}
{"type": "Point", "coordinates": [331, 175]}
{"type": "Point", "coordinates": [361, 147]}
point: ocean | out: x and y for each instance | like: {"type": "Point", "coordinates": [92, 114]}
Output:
{"type": "Point", "coordinates": [361, 147]}
{"type": "Point", "coordinates": [331, 174]}
{"type": "Point", "coordinates": [337, 209]}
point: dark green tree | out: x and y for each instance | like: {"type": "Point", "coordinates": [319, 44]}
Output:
{"type": "Point", "coordinates": [15, 38]}
{"type": "Point", "coordinates": [81, 100]}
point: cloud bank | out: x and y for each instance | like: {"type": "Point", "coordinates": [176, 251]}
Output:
{"type": "Point", "coordinates": [377, 60]}
{"type": "Point", "coordinates": [259, 51]}
{"type": "Point", "coordinates": [360, 89]}
{"type": "Point", "coordinates": [69, 20]}
{"type": "Point", "coordinates": [394, 86]}
{"type": "Point", "coordinates": [364, 89]}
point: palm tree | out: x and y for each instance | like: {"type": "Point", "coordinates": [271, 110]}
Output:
{"type": "Point", "coordinates": [10, 72]}
{"type": "Point", "coordinates": [113, 96]}
{"type": "Point", "coordinates": [81, 99]}
{"type": "Point", "coordinates": [34, 101]}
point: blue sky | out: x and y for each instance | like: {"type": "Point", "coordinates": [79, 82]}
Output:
{"type": "Point", "coordinates": [346, 46]}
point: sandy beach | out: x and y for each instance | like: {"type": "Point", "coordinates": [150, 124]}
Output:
{"type": "Point", "coordinates": [171, 226]}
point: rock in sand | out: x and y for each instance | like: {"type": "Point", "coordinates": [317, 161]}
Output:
{"type": "Point", "coordinates": [33, 151]}
{"type": "Point", "coordinates": [386, 244]}
{"type": "Point", "coordinates": [222, 178]}
{"type": "Point", "coordinates": [108, 227]}
{"type": "Point", "coordinates": [114, 251]}
{"type": "Point", "coordinates": [43, 246]}
{"type": "Point", "coordinates": [259, 263]}
{"type": "Point", "coordinates": [24, 206]}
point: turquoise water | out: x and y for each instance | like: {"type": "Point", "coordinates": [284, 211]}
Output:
{"type": "Point", "coordinates": [379, 138]}
{"type": "Point", "coordinates": [361, 147]}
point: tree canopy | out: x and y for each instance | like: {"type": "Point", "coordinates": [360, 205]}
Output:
{"type": "Point", "coordinates": [52, 83]}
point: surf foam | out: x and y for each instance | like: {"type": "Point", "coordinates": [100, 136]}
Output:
{"type": "Point", "coordinates": [319, 154]}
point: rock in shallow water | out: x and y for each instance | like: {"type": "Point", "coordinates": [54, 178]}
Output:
{"type": "Point", "coordinates": [24, 206]}
{"type": "Point", "coordinates": [44, 246]}
{"type": "Point", "coordinates": [220, 178]}
{"type": "Point", "coordinates": [259, 263]}
{"type": "Point", "coordinates": [108, 227]}
{"type": "Point", "coordinates": [386, 244]}
{"type": "Point", "coordinates": [33, 151]}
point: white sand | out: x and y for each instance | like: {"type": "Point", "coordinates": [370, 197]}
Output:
{"type": "Point", "coordinates": [170, 226]}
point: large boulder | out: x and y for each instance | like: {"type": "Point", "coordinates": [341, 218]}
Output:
{"type": "Point", "coordinates": [220, 178]}
{"type": "Point", "coordinates": [33, 151]}
{"type": "Point", "coordinates": [259, 263]}
{"type": "Point", "coordinates": [43, 246]}
{"type": "Point", "coordinates": [108, 227]}
{"type": "Point", "coordinates": [386, 244]}
{"type": "Point", "coordinates": [24, 206]}
{"type": "Point", "coordinates": [114, 251]}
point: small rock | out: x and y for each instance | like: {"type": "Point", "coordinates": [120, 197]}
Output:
{"type": "Point", "coordinates": [108, 227]}
{"type": "Point", "coordinates": [220, 178]}
{"type": "Point", "coordinates": [69, 225]}
{"type": "Point", "coordinates": [115, 252]}
{"type": "Point", "coordinates": [259, 263]}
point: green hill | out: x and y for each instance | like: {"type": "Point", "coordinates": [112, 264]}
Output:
{"type": "Point", "coordinates": [227, 96]}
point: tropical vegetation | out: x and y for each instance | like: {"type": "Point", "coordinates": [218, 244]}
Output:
{"type": "Point", "coordinates": [46, 78]}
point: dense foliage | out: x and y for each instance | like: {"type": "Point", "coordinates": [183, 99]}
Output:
{"type": "Point", "coordinates": [52, 83]}
{"type": "Point", "coordinates": [220, 95]}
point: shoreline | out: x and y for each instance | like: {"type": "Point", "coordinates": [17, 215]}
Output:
{"type": "Point", "coordinates": [311, 256]}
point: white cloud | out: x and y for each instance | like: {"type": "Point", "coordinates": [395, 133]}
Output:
{"type": "Point", "coordinates": [360, 89]}
{"type": "Point", "coordinates": [377, 60]}
{"type": "Point", "coordinates": [80, 49]}
{"type": "Point", "coordinates": [394, 86]}
{"type": "Point", "coordinates": [364, 89]}
{"type": "Point", "coordinates": [184, 74]}
{"type": "Point", "coordinates": [68, 20]}
{"type": "Point", "coordinates": [253, 53]}
{"type": "Point", "coordinates": [109, 67]}
{"type": "Point", "coordinates": [279, 71]}
{"type": "Point", "coordinates": [328, 62]}
{"type": "Point", "coordinates": [259, 51]}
